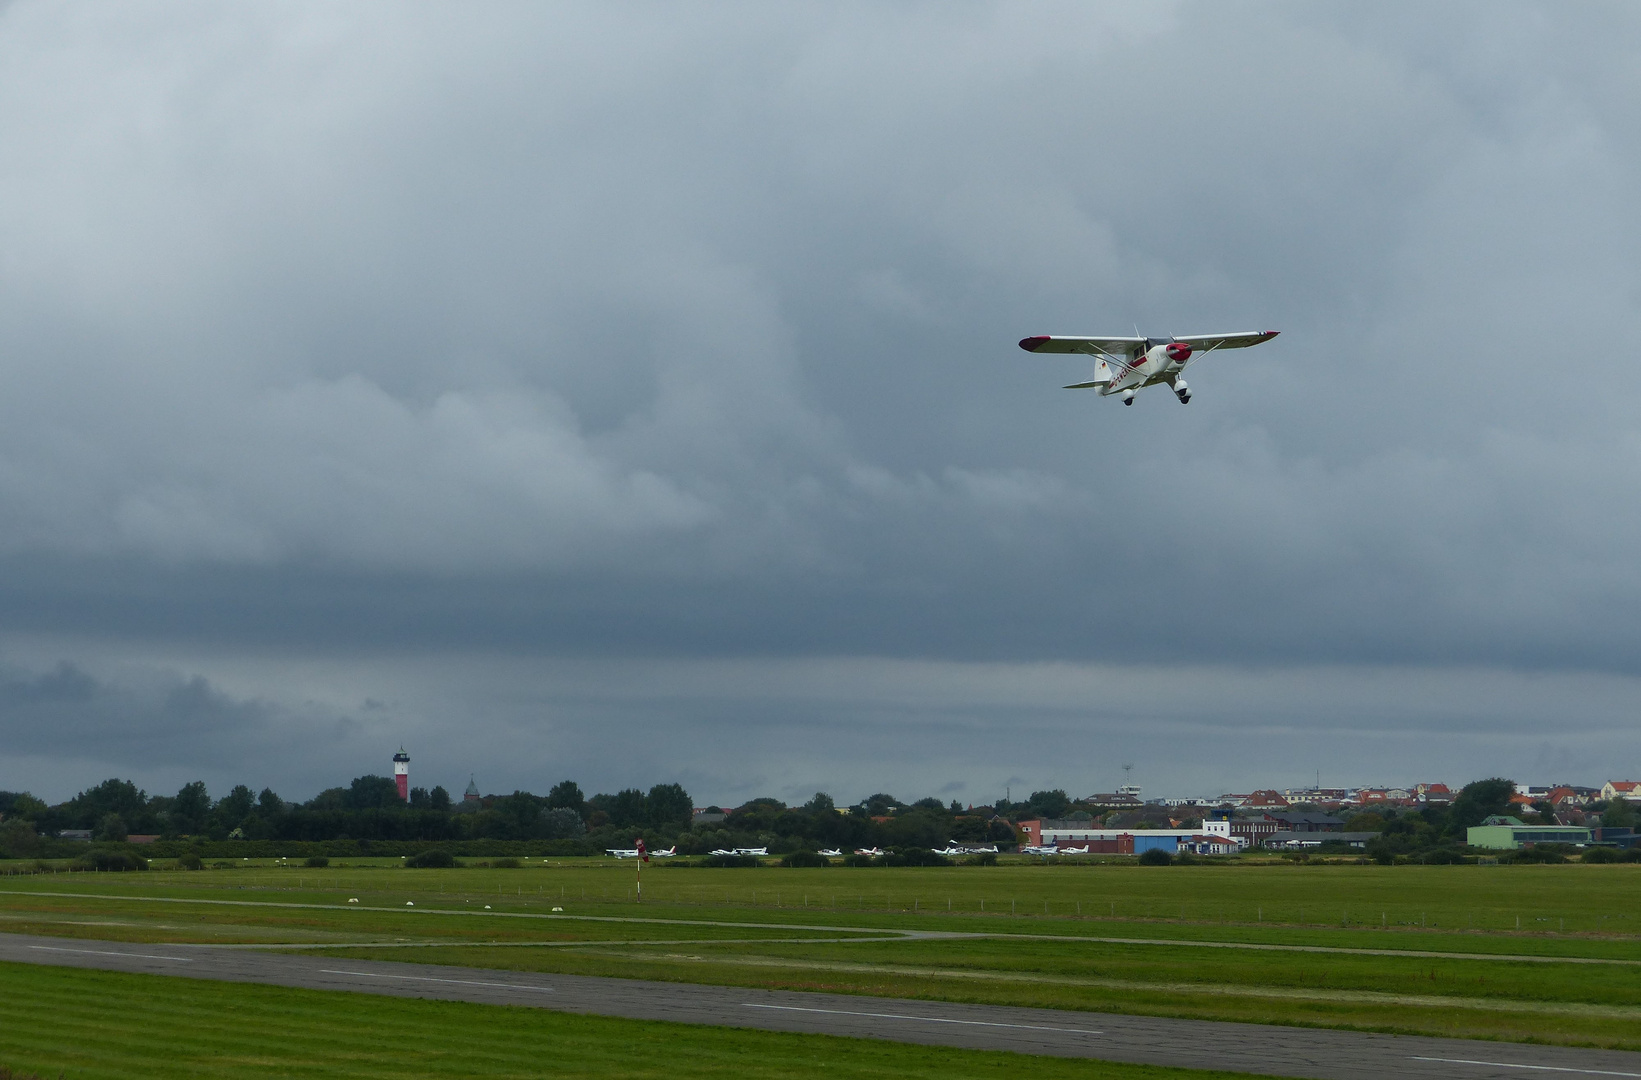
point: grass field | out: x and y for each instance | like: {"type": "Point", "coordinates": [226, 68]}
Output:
{"type": "Point", "coordinates": [89, 1025]}
{"type": "Point", "coordinates": [1427, 950]}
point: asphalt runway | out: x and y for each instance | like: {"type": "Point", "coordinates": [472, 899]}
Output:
{"type": "Point", "coordinates": [1254, 1048]}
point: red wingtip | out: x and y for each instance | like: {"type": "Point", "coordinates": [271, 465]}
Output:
{"type": "Point", "coordinates": [1032, 344]}
{"type": "Point", "coordinates": [1271, 333]}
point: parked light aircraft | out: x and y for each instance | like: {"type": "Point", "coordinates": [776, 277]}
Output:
{"type": "Point", "coordinates": [829, 852]}
{"type": "Point", "coordinates": [624, 852]}
{"type": "Point", "coordinates": [1127, 365]}
{"type": "Point", "coordinates": [874, 852]}
{"type": "Point", "coordinates": [1074, 850]}
{"type": "Point", "coordinates": [667, 854]}
{"type": "Point", "coordinates": [721, 851]}
{"type": "Point", "coordinates": [1040, 849]}
{"type": "Point", "coordinates": [752, 851]}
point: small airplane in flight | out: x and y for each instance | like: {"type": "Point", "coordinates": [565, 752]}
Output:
{"type": "Point", "coordinates": [1127, 365]}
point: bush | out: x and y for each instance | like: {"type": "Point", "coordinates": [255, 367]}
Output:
{"type": "Point", "coordinates": [1538, 853]}
{"type": "Point", "coordinates": [915, 856]}
{"type": "Point", "coordinates": [1442, 856]}
{"type": "Point", "coordinates": [433, 859]}
{"type": "Point", "coordinates": [506, 864]}
{"type": "Point", "coordinates": [858, 860]}
{"type": "Point", "coordinates": [730, 860]}
{"type": "Point", "coordinates": [18, 840]}
{"type": "Point", "coordinates": [985, 858]}
{"type": "Point", "coordinates": [1601, 855]}
{"type": "Point", "coordinates": [1155, 857]}
{"type": "Point", "coordinates": [316, 861]}
{"type": "Point", "coordinates": [189, 861]}
{"type": "Point", "coordinates": [805, 858]}
{"type": "Point", "coordinates": [108, 861]}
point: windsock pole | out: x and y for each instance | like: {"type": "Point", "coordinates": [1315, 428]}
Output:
{"type": "Point", "coordinates": [643, 857]}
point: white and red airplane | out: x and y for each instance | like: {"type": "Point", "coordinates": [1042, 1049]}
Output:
{"type": "Point", "coordinates": [1127, 365]}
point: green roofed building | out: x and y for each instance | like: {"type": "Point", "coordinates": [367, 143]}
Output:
{"type": "Point", "coordinates": [1508, 834]}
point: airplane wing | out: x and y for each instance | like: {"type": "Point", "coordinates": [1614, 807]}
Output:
{"type": "Point", "coordinates": [1120, 346]}
{"type": "Point", "coordinates": [1116, 346]}
{"type": "Point", "coordinates": [1210, 342]}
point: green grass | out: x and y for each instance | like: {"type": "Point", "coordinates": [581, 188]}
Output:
{"type": "Point", "coordinates": [1384, 915]}
{"type": "Point", "coordinates": [89, 1025]}
{"type": "Point", "coordinates": [1575, 898]}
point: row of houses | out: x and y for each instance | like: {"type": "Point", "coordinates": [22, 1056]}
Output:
{"type": "Point", "coordinates": [1366, 798]}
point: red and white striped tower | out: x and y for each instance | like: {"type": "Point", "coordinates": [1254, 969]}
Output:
{"type": "Point", "coordinates": [401, 773]}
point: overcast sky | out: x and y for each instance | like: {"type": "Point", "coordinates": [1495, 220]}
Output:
{"type": "Point", "coordinates": [630, 393]}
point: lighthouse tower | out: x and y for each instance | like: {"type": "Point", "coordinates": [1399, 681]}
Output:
{"type": "Point", "coordinates": [401, 773]}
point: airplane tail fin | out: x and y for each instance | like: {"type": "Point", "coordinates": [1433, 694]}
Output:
{"type": "Point", "coordinates": [1102, 377]}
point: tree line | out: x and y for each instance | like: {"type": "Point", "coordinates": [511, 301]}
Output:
{"type": "Point", "coordinates": [370, 809]}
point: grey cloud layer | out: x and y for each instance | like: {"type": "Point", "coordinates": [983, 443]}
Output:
{"type": "Point", "coordinates": [732, 729]}
{"type": "Point", "coordinates": [584, 330]}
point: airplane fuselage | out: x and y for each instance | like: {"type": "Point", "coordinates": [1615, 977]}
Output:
{"type": "Point", "coordinates": [1161, 363]}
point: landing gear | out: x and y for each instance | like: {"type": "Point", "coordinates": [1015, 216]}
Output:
{"type": "Point", "coordinates": [1182, 392]}
{"type": "Point", "coordinates": [1128, 397]}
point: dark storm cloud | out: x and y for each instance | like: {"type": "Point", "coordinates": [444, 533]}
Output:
{"type": "Point", "coordinates": [582, 331]}
{"type": "Point", "coordinates": [65, 727]}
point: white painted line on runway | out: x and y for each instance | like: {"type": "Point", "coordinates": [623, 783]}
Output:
{"type": "Point", "coordinates": [428, 978]}
{"type": "Point", "coordinates": [926, 1019]}
{"type": "Point", "coordinates": [1538, 1068]}
{"type": "Point", "coordinates": [106, 952]}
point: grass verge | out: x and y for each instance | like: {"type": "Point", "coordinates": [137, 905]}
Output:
{"type": "Point", "coordinates": [90, 1025]}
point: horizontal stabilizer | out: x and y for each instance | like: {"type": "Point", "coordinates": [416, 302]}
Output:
{"type": "Point", "coordinates": [1087, 385]}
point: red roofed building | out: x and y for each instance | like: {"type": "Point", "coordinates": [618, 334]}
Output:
{"type": "Point", "coordinates": [1266, 800]}
{"type": "Point", "coordinates": [1628, 790]}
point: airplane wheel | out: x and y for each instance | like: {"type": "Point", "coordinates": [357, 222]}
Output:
{"type": "Point", "coordinates": [1128, 401]}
